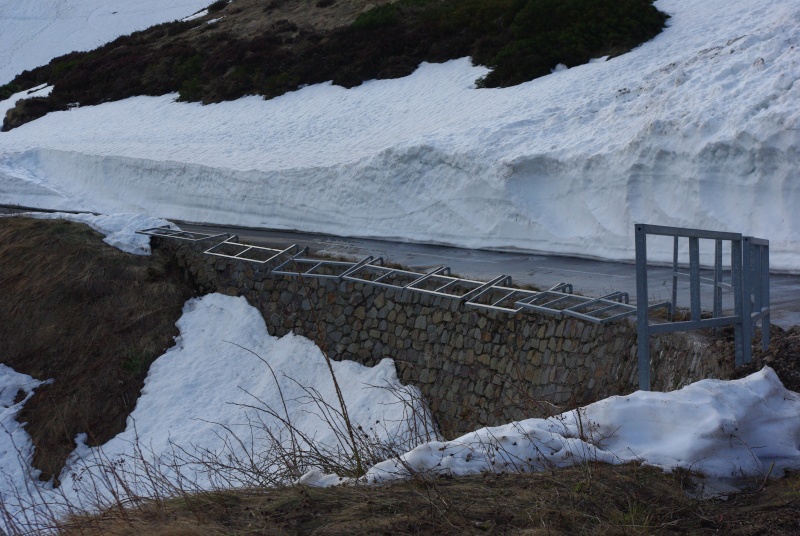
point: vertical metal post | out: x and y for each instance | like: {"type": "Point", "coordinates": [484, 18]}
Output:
{"type": "Point", "coordinates": [738, 305]}
{"type": "Point", "coordinates": [694, 276]}
{"type": "Point", "coordinates": [765, 292]}
{"type": "Point", "coordinates": [747, 302]}
{"type": "Point", "coordinates": [757, 280]}
{"type": "Point", "coordinates": [674, 279]}
{"type": "Point", "coordinates": [717, 278]}
{"type": "Point", "coordinates": [642, 320]}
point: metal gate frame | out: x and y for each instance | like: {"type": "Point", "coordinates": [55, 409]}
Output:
{"type": "Point", "coordinates": [749, 283]}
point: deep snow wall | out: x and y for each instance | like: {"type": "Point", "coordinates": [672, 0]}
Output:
{"type": "Point", "coordinates": [474, 367]}
{"type": "Point", "coordinates": [580, 207]}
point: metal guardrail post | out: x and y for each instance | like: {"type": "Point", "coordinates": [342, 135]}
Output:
{"type": "Point", "coordinates": [694, 276]}
{"type": "Point", "coordinates": [717, 278]}
{"type": "Point", "coordinates": [738, 299]}
{"type": "Point", "coordinates": [674, 302]}
{"type": "Point", "coordinates": [765, 290]}
{"type": "Point", "coordinates": [642, 321]}
{"type": "Point", "coordinates": [747, 299]}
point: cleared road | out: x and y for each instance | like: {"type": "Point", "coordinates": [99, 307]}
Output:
{"type": "Point", "coordinates": [588, 277]}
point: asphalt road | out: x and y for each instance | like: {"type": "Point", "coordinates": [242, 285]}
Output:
{"type": "Point", "coordinates": [588, 277]}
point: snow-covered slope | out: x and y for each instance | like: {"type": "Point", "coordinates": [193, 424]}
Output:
{"type": "Point", "coordinates": [34, 32]}
{"type": "Point", "coordinates": [205, 417]}
{"type": "Point", "coordinates": [698, 127]}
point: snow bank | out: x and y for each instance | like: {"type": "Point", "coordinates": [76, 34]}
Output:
{"type": "Point", "coordinates": [723, 429]}
{"type": "Point", "coordinates": [33, 33]}
{"type": "Point", "coordinates": [119, 229]}
{"type": "Point", "coordinates": [698, 128]}
{"type": "Point", "coordinates": [201, 395]}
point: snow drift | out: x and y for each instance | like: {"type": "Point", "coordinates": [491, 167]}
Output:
{"type": "Point", "coordinates": [722, 429]}
{"type": "Point", "coordinates": [119, 229]}
{"type": "Point", "coordinates": [697, 128]}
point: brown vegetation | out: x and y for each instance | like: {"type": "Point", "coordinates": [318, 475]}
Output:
{"type": "Point", "coordinates": [591, 499]}
{"type": "Point", "coordinates": [90, 317]}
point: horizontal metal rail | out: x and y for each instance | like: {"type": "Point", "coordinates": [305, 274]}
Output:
{"type": "Point", "coordinates": [494, 295]}
{"type": "Point", "coordinates": [166, 232]}
{"type": "Point", "coordinates": [308, 267]}
{"type": "Point", "coordinates": [684, 232]}
{"type": "Point", "coordinates": [248, 251]}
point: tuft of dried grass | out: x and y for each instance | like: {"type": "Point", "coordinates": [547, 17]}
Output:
{"type": "Point", "coordinates": [630, 500]}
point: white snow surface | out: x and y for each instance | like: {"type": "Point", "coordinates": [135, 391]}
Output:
{"type": "Point", "coordinates": [119, 229]}
{"type": "Point", "coordinates": [32, 32]}
{"type": "Point", "coordinates": [697, 128]}
{"type": "Point", "coordinates": [723, 429]}
{"type": "Point", "coordinates": [194, 393]}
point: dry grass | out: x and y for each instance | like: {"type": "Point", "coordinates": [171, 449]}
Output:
{"type": "Point", "coordinates": [583, 500]}
{"type": "Point", "coordinates": [87, 315]}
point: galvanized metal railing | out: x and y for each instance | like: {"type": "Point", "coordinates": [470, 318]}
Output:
{"type": "Point", "coordinates": [494, 295]}
{"type": "Point", "coordinates": [749, 284]}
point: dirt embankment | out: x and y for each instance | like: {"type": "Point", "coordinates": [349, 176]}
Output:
{"type": "Point", "coordinates": [90, 317]}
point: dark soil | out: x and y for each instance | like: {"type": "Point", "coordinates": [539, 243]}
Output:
{"type": "Point", "coordinates": [90, 317]}
{"type": "Point", "coordinates": [257, 47]}
{"type": "Point", "coordinates": [783, 355]}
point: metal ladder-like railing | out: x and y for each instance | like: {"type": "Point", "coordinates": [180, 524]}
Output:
{"type": "Point", "coordinates": [495, 295]}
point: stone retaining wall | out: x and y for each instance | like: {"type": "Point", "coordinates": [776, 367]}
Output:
{"type": "Point", "coordinates": [474, 366]}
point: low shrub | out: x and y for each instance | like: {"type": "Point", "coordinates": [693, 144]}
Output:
{"type": "Point", "coordinates": [26, 110]}
{"type": "Point", "coordinates": [518, 40]}
{"type": "Point", "coordinates": [219, 5]}
{"type": "Point", "coordinates": [9, 89]}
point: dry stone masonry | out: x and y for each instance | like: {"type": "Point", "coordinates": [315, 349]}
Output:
{"type": "Point", "coordinates": [474, 366]}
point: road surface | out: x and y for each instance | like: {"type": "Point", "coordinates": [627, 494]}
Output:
{"type": "Point", "coordinates": [588, 277]}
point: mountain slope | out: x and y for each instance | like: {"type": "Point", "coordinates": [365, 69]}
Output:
{"type": "Point", "coordinates": [248, 47]}
{"type": "Point", "coordinates": [697, 127]}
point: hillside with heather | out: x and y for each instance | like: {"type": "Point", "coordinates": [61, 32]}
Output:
{"type": "Point", "coordinates": [695, 127]}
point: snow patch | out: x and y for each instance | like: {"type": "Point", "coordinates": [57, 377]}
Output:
{"type": "Point", "coordinates": [33, 33]}
{"type": "Point", "coordinates": [722, 429]}
{"type": "Point", "coordinates": [198, 398]}
{"type": "Point", "coordinates": [119, 229]}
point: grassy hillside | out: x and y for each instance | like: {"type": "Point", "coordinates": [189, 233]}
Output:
{"type": "Point", "coordinates": [268, 48]}
{"type": "Point", "coordinates": [90, 317]}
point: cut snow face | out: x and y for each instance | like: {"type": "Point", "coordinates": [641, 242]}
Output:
{"type": "Point", "coordinates": [222, 397]}
{"type": "Point", "coordinates": [722, 429]}
{"type": "Point", "coordinates": [119, 229]}
{"type": "Point", "coordinates": [696, 128]}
